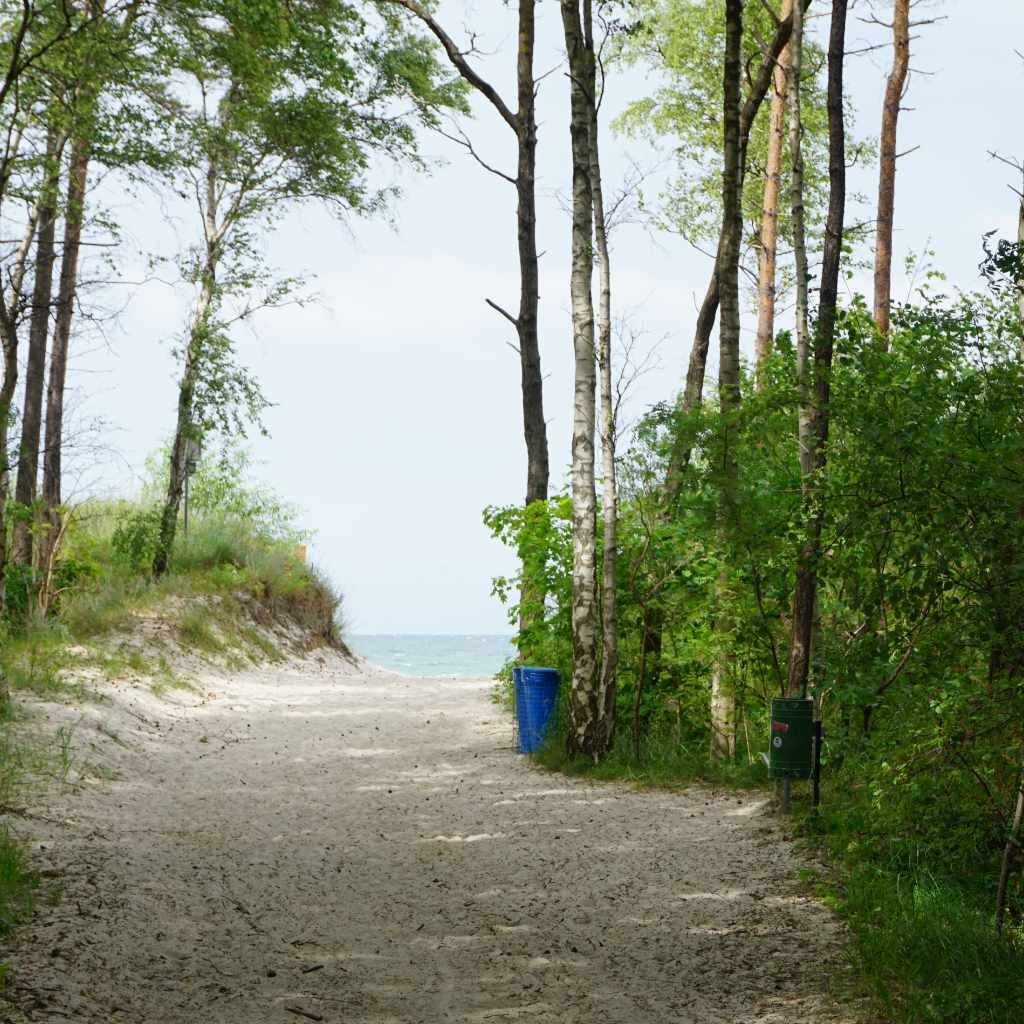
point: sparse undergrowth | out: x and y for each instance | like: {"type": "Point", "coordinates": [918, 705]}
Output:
{"type": "Point", "coordinates": [920, 909]}
{"type": "Point", "coordinates": [664, 762]}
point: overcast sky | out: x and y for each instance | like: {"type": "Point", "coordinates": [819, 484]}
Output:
{"type": "Point", "coordinates": [397, 416]}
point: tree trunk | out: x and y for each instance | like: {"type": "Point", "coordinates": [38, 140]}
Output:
{"type": "Point", "coordinates": [806, 585]}
{"type": "Point", "coordinates": [803, 612]}
{"type": "Point", "coordinates": [1020, 256]}
{"type": "Point", "coordinates": [638, 693]}
{"type": "Point", "coordinates": [770, 213]}
{"type": "Point", "coordinates": [12, 300]}
{"type": "Point", "coordinates": [184, 429]}
{"type": "Point", "coordinates": [183, 433]}
{"type": "Point", "coordinates": [532, 595]}
{"type": "Point", "coordinates": [524, 124]}
{"type": "Point", "coordinates": [585, 727]}
{"type": "Point", "coordinates": [74, 215]}
{"type": "Point", "coordinates": [723, 734]}
{"type": "Point", "coordinates": [35, 366]}
{"type": "Point", "coordinates": [803, 343]}
{"type": "Point", "coordinates": [697, 365]}
{"type": "Point", "coordinates": [894, 87]}
{"type": "Point", "coordinates": [608, 688]}
{"type": "Point", "coordinates": [1010, 852]}
{"type": "Point", "coordinates": [693, 390]}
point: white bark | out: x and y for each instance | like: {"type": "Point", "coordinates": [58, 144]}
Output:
{"type": "Point", "coordinates": [584, 725]}
{"type": "Point", "coordinates": [607, 691]}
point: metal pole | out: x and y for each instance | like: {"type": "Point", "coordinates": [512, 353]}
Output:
{"type": "Point", "coordinates": [785, 796]}
{"type": "Point", "coordinates": [818, 733]}
{"type": "Point", "coordinates": [186, 501]}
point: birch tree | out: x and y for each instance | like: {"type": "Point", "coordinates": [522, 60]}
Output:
{"type": "Point", "coordinates": [607, 689]}
{"type": "Point", "coordinates": [585, 727]}
{"type": "Point", "coordinates": [294, 102]}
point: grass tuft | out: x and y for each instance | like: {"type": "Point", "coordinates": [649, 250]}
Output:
{"type": "Point", "coordinates": [17, 883]}
{"type": "Point", "coordinates": [197, 632]}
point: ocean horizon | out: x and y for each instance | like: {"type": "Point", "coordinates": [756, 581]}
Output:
{"type": "Point", "coordinates": [476, 655]}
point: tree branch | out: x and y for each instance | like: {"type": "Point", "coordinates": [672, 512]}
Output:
{"type": "Point", "coordinates": [514, 321]}
{"type": "Point", "coordinates": [458, 60]}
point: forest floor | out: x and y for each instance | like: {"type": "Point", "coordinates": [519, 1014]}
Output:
{"type": "Point", "coordinates": [324, 841]}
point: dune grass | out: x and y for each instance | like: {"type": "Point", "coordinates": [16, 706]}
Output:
{"type": "Point", "coordinates": [229, 570]}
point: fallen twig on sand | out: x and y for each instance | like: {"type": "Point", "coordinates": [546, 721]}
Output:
{"type": "Point", "coordinates": [303, 1013]}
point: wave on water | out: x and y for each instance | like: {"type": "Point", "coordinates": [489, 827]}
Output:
{"type": "Point", "coordinates": [469, 654]}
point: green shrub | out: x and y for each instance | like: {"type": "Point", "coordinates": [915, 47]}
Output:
{"type": "Point", "coordinates": [135, 537]}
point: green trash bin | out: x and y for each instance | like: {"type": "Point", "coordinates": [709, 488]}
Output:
{"type": "Point", "coordinates": [790, 750]}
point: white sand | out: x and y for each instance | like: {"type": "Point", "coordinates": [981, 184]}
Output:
{"type": "Point", "coordinates": [365, 847]}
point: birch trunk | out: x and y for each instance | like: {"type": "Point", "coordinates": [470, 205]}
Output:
{"type": "Point", "coordinates": [35, 365]}
{"type": "Point", "coordinates": [806, 585]}
{"type": "Point", "coordinates": [184, 429]}
{"type": "Point", "coordinates": [723, 726]}
{"type": "Point", "coordinates": [585, 727]}
{"type": "Point", "coordinates": [78, 176]}
{"type": "Point", "coordinates": [608, 689]}
{"type": "Point", "coordinates": [770, 213]}
{"type": "Point", "coordinates": [894, 87]}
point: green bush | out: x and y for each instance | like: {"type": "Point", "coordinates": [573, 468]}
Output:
{"type": "Point", "coordinates": [135, 537]}
{"type": "Point", "coordinates": [918, 654]}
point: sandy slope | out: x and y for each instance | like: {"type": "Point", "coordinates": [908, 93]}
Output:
{"type": "Point", "coordinates": [362, 847]}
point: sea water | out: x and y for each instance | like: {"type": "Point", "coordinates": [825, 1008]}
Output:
{"type": "Point", "coordinates": [416, 654]}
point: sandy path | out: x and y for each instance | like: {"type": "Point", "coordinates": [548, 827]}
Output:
{"type": "Point", "coordinates": [367, 848]}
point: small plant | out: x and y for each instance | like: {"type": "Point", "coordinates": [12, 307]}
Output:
{"type": "Point", "coordinates": [261, 646]}
{"type": "Point", "coordinates": [17, 883]}
{"type": "Point", "coordinates": [65, 735]}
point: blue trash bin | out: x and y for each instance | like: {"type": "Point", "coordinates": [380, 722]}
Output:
{"type": "Point", "coordinates": [538, 690]}
{"type": "Point", "coordinates": [520, 707]}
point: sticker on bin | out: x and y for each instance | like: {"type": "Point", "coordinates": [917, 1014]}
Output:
{"type": "Point", "coordinates": [780, 726]}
